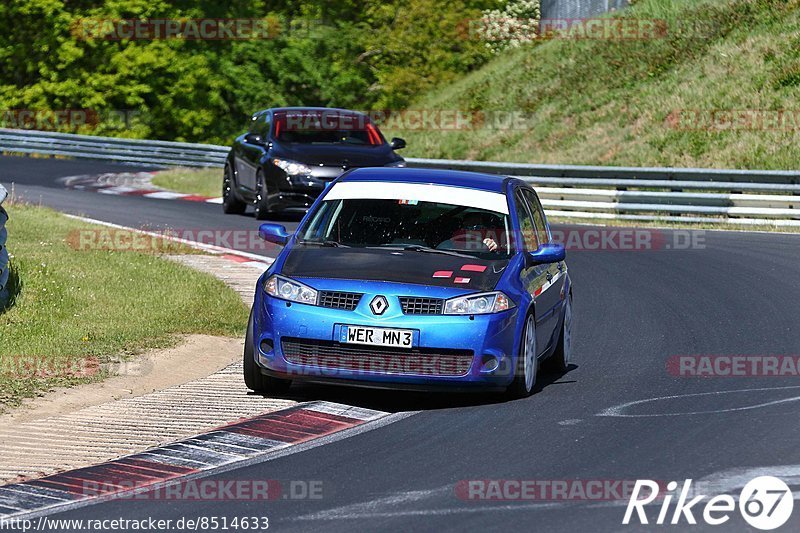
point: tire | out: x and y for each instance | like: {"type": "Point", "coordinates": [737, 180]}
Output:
{"type": "Point", "coordinates": [527, 367]}
{"type": "Point", "coordinates": [253, 378]}
{"type": "Point", "coordinates": [230, 204]}
{"type": "Point", "coordinates": [263, 206]}
{"type": "Point", "coordinates": [559, 361]}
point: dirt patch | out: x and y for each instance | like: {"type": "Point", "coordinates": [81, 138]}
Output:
{"type": "Point", "coordinates": [196, 357]}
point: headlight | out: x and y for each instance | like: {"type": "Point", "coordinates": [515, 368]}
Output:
{"type": "Point", "coordinates": [478, 304]}
{"type": "Point", "coordinates": [292, 168]}
{"type": "Point", "coordinates": [397, 164]}
{"type": "Point", "coordinates": [293, 291]}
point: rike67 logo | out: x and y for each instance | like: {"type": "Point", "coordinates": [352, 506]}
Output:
{"type": "Point", "coordinates": [765, 503]}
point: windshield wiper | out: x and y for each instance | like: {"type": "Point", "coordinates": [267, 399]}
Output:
{"type": "Point", "coordinates": [332, 244]}
{"type": "Point", "coordinates": [429, 250]}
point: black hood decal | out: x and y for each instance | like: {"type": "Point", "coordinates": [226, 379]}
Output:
{"type": "Point", "coordinates": [420, 268]}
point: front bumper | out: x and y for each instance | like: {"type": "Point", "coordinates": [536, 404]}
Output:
{"type": "Point", "coordinates": [299, 192]}
{"type": "Point", "coordinates": [451, 352]}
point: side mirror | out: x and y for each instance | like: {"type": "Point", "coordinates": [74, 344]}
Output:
{"type": "Point", "coordinates": [274, 233]}
{"type": "Point", "coordinates": [397, 143]}
{"type": "Point", "coordinates": [547, 253]}
{"type": "Point", "coordinates": [254, 138]}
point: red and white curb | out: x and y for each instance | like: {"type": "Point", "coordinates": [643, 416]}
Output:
{"type": "Point", "coordinates": [222, 449]}
{"type": "Point", "coordinates": [130, 184]}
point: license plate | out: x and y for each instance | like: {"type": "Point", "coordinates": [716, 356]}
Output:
{"type": "Point", "coordinates": [399, 338]}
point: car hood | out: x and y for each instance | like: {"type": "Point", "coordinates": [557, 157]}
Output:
{"type": "Point", "coordinates": [339, 155]}
{"type": "Point", "coordinates": [395, 266]}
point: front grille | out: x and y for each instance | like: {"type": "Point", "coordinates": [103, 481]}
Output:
{"type": "Point", "coordinates": [415, 305]}
{"type": "Point", "coordinates": [339, 300]}
{"type": "Point", "coordinates": [328, 355]}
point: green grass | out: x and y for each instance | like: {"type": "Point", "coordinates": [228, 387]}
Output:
{"type": "Point", "coordinates": [203, 182]}
{"type": "Point", "coordinates": [78, 307]}
{"type": "Point", "coordinates": [610, 102]}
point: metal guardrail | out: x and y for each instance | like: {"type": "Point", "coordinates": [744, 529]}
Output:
{"type": "Point", "coordinates": [112, 148]}
{"type": "Point", "coordinates": [663, 174]}
{"type": "Point", "coordinates": [4, 266]}
{"type": "Point", "coordinates": [745, 197]}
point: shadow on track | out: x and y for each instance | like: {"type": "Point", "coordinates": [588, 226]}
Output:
{"type": "Point", "coordinates": [394, 401]}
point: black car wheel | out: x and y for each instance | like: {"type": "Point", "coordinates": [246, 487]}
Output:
{"type": "Point", "coordinates": [527, 362]}
{"type": "Point", "coordinates": [230, 204]}
{"type": "Point", "coordinates": [559, 361]}
{"type": "Point", "coordinates": [263, 206]}
{"type": "Point", "coordinates": [253, 378]}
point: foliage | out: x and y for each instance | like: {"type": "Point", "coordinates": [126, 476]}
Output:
{"type": "Point", "coordinates": [54, 59]}
{"type": "Point", "coordinates": [515, 24]}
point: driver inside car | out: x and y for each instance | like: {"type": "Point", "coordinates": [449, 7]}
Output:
{"type": "Point", "coordinates": [474, 234]}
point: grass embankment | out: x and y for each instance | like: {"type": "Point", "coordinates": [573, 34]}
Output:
{"type": "Point", "coordinates": [199, 181]}
{"type": "Point", "coordinates": [632, 102]}
{"type": "Point", "coordinates": [77, 309]}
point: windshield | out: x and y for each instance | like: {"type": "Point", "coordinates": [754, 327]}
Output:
{"type": "Point", "coordinates": [327, 128]}
{"type": "Point", "coordinates": [424, 226]}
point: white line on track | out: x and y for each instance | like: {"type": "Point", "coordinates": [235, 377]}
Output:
{"type": "Point", "coordinates": [619, 410]}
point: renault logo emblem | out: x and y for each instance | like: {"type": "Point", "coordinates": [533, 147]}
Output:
{"type": "Point", "coordinates": [379, 305]}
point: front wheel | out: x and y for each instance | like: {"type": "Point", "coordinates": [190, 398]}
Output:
{"type": "Point", "coordinates": [527, 363]}
{"type": "Point", "coordinates": [263, 206]}
{"type": "Point", "coordinates": [230, 204]}
{"type": "Point", "coordinates": [253, 378]}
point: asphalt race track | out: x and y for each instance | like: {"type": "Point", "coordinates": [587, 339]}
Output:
{"type": "Point", "coordinates": [734, 293]}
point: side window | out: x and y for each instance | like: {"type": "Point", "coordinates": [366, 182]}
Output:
{"type": "Point", "coordinates": [538, 215]}
{"type": "Point", "coordinates": [253, 124]}
{"type": "Point", "coordinates": [263, 126]}
{"type": "Point", "coordinates": [526, 224]}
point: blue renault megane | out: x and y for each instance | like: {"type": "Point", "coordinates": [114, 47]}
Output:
{"type": "Point", "coordinates": [414, 279]}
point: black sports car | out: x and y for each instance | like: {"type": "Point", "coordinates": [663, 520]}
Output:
{"type": "Point", "coordinates": [289, 154]}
